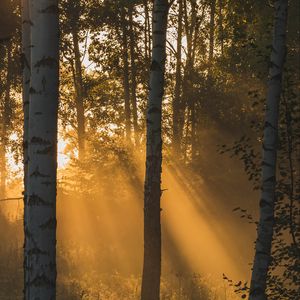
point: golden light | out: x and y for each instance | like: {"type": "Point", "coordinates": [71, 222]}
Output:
{"type": "Point", "coordinates": [62, 158]}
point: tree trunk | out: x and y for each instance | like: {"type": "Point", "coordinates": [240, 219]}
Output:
{"type": "Point", "coordinates": [26, 83]}
{"type": "Point", "coordinates": [221, 26]}
{"type": "Point", "coordinates": [191, 29]}
{"type": "Point", "coordinates": [212, 30]}
{"type": "Point", "coordinates": [177, 113]}
{"type": "Point", "coordinates": [133, 77]}
{"type": "Point", "coordinates": [40, 231]}
{"type": "Point", "coordinates": [188, 114]}
{"type": "Point", "coordinates": [126, 76]}
{"type": "Point", "coordinates": [152, 193]}
{"type": "Point", "coordinates": [147, 30]}
{"type": "Point", "coordinates": [193, 129]}
{"type": "Point", "coordinates": [25, 96]}
{"type": "Point", "coordinates": [147, 34]}
{"type": "Point", "coordinates": [79, 91]}
{"type": "Point", "coordinates": [266, 223]}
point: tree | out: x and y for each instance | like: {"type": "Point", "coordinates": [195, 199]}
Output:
{"type": "Point", "coordinates": [40, 205]}
{"type": "Point", "coordinates": [126, 84]}
{"type": "Point", "coordinates": [147, 32]}
{"type": "Point", "coordinates": [212, 30]}
{"type": "Point", "coordinates": [177, 113]}
{"type": "Point", "coordinates": [25, 96]}
{"type": "Point", "coordinates": [188, 98]}
{"type": "Point", "coordinates": [152, 189]}
{"type": "Point", "coordinates": [133, 74]}
{"type": "Point", "coordinates": [26, 82]}
{"type": "Point", "coordinates": [270, 143]}
{"type": "Point", "coordinates": [221, 33]}
{"type": "Point", "coordinates": [72, 26]}
{"type": "Point", "coordinates": [79, 88]}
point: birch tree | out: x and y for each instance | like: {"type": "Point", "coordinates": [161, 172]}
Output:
{"type": "Point", "coordinates": [152, 192]}
{"type": "Point", "coordinates": [40, 205]}
{"type": "Point", "coordinates": [268, 195]}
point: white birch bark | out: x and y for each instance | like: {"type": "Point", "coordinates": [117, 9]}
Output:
{"type": "Point", "coordinates": [40, 231]}
{"type": "Point", "coordinates": [268, 195]}
{"type": "Point", "coordinates": [152, 193]}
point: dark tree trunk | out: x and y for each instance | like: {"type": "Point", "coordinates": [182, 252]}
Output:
{"type": "Point", "coordinates": [133, 77]}
{"type": "Point", "coordinates": [152, 193]}
{"type": "Point", "coordinates": [126, 84]}
{"type": "Point", "coordinates": [147, 33]}
{"type": "Point", "coordinates": [193, 129]}
{"type": "Point", "coordinates": [26, 84]}
{"type": "Point", "coordinates": [177, 111]}
{"type": "Point", "coordinates": [221, 26]}
{"type": "Point", "coordinates": [212, 30]}
{"type": "Point", "coordinates": [191, 29]}
{"type": "Point", "coordinates": [79, 94]}
{"type": "Point", "coordinates": [25, 95]}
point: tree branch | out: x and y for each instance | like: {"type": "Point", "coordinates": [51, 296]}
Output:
{"type": "Point", "coordinates": [11, 199]}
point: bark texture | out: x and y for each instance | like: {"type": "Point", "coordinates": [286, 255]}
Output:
{"type": "Point", "coordinates": [268, 195]}
{"type": "Point", "coordinates": [40, 229]}
{"type": "Point", "coordinates": [152, 192]}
